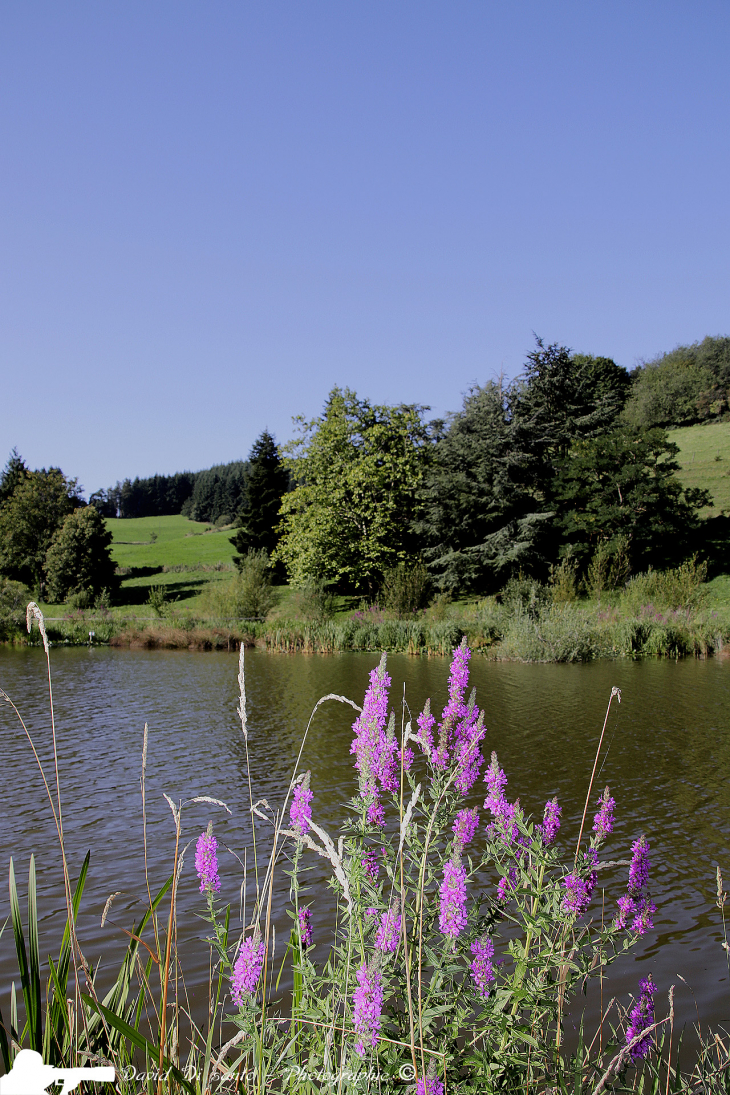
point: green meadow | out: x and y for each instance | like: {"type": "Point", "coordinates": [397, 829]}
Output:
{"type": "Point", "coordinates": [704, 456]}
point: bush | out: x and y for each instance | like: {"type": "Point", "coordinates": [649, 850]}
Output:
{"type": "Point", "coordinates": [14, 596]}
{"type": "Point", "coordinates": [311, 601]}
{"type": "Point", "coordinates": [405, 589]}
{"type": "Point", "coordinates": [248, 595]}
{"type": "Point", "coordinates": [681, 587]}
{"type": "Point", "coordinates": [79, 559]}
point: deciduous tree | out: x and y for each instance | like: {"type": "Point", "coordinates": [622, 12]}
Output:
{"type": "Point", "coordinates": [356, 472]}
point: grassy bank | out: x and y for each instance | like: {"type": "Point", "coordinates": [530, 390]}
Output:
{"type": "Point", "coordinates": [531, 626]}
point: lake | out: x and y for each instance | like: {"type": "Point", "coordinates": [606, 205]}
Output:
{"type": "Point", "coordinates": [667, 762]}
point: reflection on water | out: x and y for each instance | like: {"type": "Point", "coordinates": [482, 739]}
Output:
{"type": "Point", "coordinates": [667, 764]}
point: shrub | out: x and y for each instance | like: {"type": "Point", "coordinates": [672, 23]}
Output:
{"type": "Point", "coordinates": [157, 600]}
{"type": "Point", "coordinates": [405, 589]}
{"type": "Point", "coordinates": [311, 600]}
{"type": "Point", "coordinates": [248, 595]}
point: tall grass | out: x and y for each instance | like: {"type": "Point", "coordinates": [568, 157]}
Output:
{"type": "Point", "coordinates": [455, 949]}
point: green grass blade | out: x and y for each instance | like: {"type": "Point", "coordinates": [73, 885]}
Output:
{"type": "Point", "coordinates": [138, 1039]}
{"type": "Point", "coordinates": [17, 922]}
{"type": "Point", "coordinates": [34, 962]}
{"type": "Point", "coordinates": [578, 1070]}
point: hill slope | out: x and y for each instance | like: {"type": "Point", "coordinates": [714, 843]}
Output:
{"type": "Point", "coordinates": [704, 456]}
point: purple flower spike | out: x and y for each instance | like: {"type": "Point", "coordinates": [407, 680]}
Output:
{"type": "Point", "coordinates": [643, 922]}
{"type": "Point", "coordinates": [247, 969]}
{"type": "Point", "coordinates": [389, 931]}
{"type": "Point", "coordinates": [550, 822]}
{"type": "Point", "coordinates": [642, 1016]}
{"type": "Point", "coordinates": [300, 812]}
{"type": "Point", "coordinates": [603, 821]}
{"type": "Point", "coordinates": [506, 885]}
{"type": "Point", "coordinates": [465, 827]}
{"type": "Point", "coordinates": [576, 896]}
{"type": "Point", "coordinates": [452, 916]}
{"type": "Point", "coordinates": [370, 864]}
{"type": "Point", "coordinates": [482, 969]}
{"type": "Point", "coordinates": [626, 908]}
{"type": "Point", "coordinates": [639, 869]}
{"type": "Point", "coordinates": [206, 862]}
{"type": "Point", "coordinates": [430, 1084]}
{"type": "Point", "coordinates": [305, 926]}
{"type": "Point", "coordinates": [377, 756]}
{"type": "Point", "coordinates": [367, 1007]}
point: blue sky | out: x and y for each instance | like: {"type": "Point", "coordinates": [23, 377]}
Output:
{"type": "Point", "coordinates": [210, 214]}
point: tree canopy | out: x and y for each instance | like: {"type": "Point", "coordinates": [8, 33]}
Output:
{"type": "Point", "coordinates": [30, 518]}
{"type": "Point", "coordinates": [356, 471]}
{"type": "Point", "coordinates": [79, 560]}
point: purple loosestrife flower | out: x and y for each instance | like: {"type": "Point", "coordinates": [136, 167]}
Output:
{"type": "Point", "coordinates": [375, 750]}
{"type": "Point", "coordinates": [507, 885]}
{"type": "Point", "coordinates": [461, 729]}
{"type": "Point", "coordinates": [642, 1016]}
{"type": "Point", "coordinates": [576, 894]}
{"type": "Point", "coordinates": [452, 917]}
{"type": "Point", "coordinates": [643, 922]}
{"type": "Point", "coordinates": [389, 931]}
{"type": "Point", "coordinates": [247, 969]}
{"type": "Point", "coordinates": [482, 969]}
{"type": "Point", "coordinates": [550, 822]}
{"type": "Point", "coordinates": [639, 869]}
{"type": "Point", "coordinates": [300, 812]}
{"type": "Point", "coordinates": [367, 1007]}
{"type": "Point", "coordinates": [626, 908]}
{"type": "Point", "coordinates": [603, 821]}
{"type": "Point", "coordinates": [430, 1083]}
{"type": "Point", "coordinates": [501, 810]}
{"type": "Point", "coordinates": [206, 862]}
{"type": "Point", "coordinates": [305, 926]}
{"type": "Point", "coordinates": [370, 864]}
{"type": "Point", "coordinates": [465, 827]}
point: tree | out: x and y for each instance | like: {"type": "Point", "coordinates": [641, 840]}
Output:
{"type": "Point", "coordinates": [79, 560]}
{"type": "Point", "coordinates": [688, 384]}
{"type": "Point", "coordinates": [561, 397]}
{"type": "Point", "coordinates": [11, 475]}
{"type": "Point", "coordinates": [479, 522]}
{"type": "Point", "coordinates": [356, 472]}
{"type": "Point", "coordinates": [267, 483]}
{"type": "Point", "coordinates": [29, 520]}
{"type": "Point", "coordinates": [621, 491]}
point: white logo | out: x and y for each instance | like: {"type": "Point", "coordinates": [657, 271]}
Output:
{"type": "Point", "coordinates": [29, 1076]}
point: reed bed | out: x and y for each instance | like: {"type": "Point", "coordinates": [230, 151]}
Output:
{"type": "Point", "coordinates": [461, 936]}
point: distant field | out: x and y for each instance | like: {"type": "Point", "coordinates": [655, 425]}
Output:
{"type": "Point", "coordinates": [704, 455]}
{"type": "Point", "coordinates": [179, 542]}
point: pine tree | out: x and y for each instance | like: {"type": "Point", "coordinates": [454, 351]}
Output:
{"type": "Point", "coordinates": [11, 475]}
{"type": "Point", "coordinates": [267, 482]}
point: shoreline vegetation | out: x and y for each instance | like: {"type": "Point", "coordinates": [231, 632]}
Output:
{"type": "Point", "coordinates": [674, 613]}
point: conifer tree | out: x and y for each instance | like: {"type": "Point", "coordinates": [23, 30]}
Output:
{"type": "Point", "coordinates": [266, 482]}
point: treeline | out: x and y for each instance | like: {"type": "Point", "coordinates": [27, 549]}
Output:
{"type": "Point", "coordinates": [552, 470]}
{"type": "Point", "coordinates": [216, 494]}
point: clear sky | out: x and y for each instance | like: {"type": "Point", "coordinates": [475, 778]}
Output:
{"type": "Point", "coordinates": [211, 213]}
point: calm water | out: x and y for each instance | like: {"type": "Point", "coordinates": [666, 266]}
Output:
{"type": "Point", "coordinates": [667, 765]}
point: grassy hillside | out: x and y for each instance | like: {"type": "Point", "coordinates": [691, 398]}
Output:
{"type": "Point", "coordinates": [704, 455]}
{"type": "Point", "coordinates": [167, 541]}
